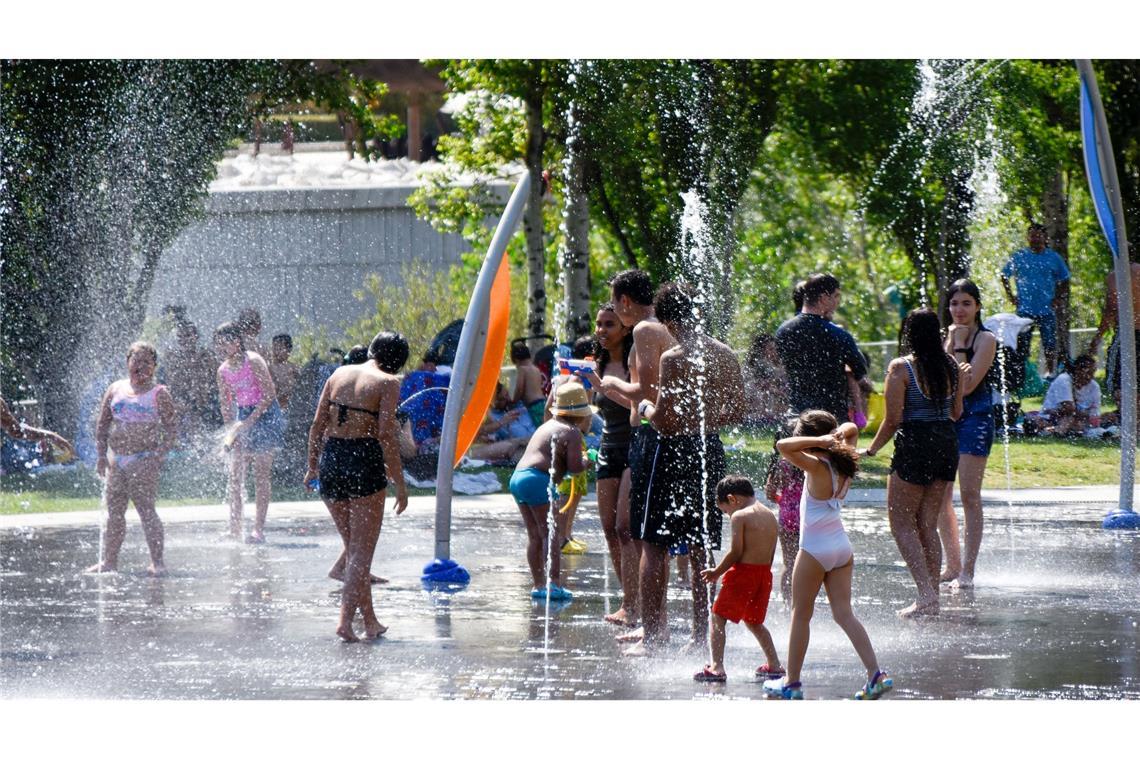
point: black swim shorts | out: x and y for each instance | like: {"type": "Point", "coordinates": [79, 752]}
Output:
{"type": "Point", "coordinates": [352, 468]}
{"type": "Point", "coordinates": [680, 502]}
{"type": "Point", "coordinates": [612, 461]}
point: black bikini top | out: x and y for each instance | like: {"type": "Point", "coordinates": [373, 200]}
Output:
{"type": "Point", "coordinates": [343, 410]}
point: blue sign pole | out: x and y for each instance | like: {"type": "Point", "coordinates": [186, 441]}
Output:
{"type": "Point", "coordinates": [1100, 167]}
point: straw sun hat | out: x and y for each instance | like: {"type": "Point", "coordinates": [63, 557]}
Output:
{"type": "Point", "coordinates": [570, 401]}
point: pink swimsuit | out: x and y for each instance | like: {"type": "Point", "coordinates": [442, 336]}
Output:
{"type": "Point", "coordinates": [130, 409]}
{"type": "Point", "coordinates": [243, 383]}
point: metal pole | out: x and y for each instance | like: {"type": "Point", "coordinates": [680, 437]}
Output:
{"type": "Point", "coordinates": [1126, 336]}
{"type": "Point", "coordinates": [468, 360]}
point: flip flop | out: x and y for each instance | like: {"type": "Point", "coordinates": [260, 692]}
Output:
{"type": "Point", "coordinates": [769, 673]}
{"type": "Point", "coordinates": [708, 675]}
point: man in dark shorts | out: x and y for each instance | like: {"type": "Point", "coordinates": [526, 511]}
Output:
{"type": "Point", "coordinates": [701, 391]}
{"type": "Point", "coordinates": [815, 351]}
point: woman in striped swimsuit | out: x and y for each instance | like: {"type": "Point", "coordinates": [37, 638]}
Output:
{"type": "Point", "coordinates": [923, 398]}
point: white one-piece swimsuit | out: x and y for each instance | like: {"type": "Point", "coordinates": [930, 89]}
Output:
{"type": "Point", "coordinates": [821, 531]}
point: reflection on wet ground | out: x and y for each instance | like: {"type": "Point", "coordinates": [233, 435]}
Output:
{"type": "Point", "coordinates": [1055, 615]}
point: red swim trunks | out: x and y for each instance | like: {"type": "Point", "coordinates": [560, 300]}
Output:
{"type": "Point", "coordinates": [744, 593]}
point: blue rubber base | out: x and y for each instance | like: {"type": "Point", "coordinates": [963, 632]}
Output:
{"type": "Point", "coordinates": [445, 573]}
{"type": "Point", "coordinates": [1121, 519]}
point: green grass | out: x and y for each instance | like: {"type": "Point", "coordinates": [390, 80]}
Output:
{"type": "Point", "coordinates": [1035, 463]}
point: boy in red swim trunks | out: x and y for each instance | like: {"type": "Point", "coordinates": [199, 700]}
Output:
{"type": "Point", "coordinates": [747, 571]}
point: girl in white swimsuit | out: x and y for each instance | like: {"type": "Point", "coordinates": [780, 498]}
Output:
{"type": "Point", "coordinates": [823, 450]}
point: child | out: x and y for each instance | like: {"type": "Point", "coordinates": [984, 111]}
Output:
{"type": "Point", "coordinates": [137, 428]}
{"type": "Point", "coordinates": [747, 571]}
{"type": "Point", "coordinates": [245, 390]}
{"type": "Point", "coordinates": [784, 487]}
{"type": "Point", "coordinates": [528, 383]}
{"type": "Point", "coordinates": [284, 374]}
{"type": "Point", "coordinates": [554, 451]}
{"type": "Point", "coordinates": [823, 450]}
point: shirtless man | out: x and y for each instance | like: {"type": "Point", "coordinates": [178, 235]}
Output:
{"type": "Point", "coordinates": [632, 296]}
{"type": "Point", "coordinates": [701, 391]}
{"type": "Point", "coordinates": [1109, 321]}
{"type": "Point", "coordinates": [528, 383]}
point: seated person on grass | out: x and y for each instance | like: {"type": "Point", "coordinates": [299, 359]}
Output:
{"type": "Point", "coordinates": [747, 571]}
{"type": "Point", "coordinates": [528, 382]}
{"type": "Point", "coordinates": [1072, 403]}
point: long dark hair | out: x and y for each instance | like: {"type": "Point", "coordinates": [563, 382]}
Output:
{"type": "Point", "coordinates": [818, 422]}
{"type": "Point", "coordinates": [922, 336]}
{"type": "Point", "coordinates": [969, 288]}
{"type": "Point", "coordinates": [626, 347]}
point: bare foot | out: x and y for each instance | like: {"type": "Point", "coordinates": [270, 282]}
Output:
{"type": "Point", "coordinates": [375, 630]}
{"type": "Point", "coordinates": [637, 650]}
{"type": "Point", "coordinates": [621, 617]}
{"type": "Point", "coordinates": [637, 634]}
{"type": "Point", "coordinates": [963, 581]}
{"type": "Point", "coordinates": [101, 567]}
{"type": "Point", "coordinates": [919, 610]}
{"type": "Point", "coordinates": [948, 575]}
{"type": "Point", "coordinates": [156, 570]}
{"type": "Point", "coordinates": [256, 537]}
{"type": "Point", "coordinates": [373, 579]}
{"type": "Point", "coordinates": [347, 634]}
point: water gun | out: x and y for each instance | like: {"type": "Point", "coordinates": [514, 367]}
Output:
{"type": "Point", "coordinates": [579, 367]}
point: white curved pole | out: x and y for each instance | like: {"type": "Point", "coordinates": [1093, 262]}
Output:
{"type": "Point", "coordinates": [468, 361]}
{"type": "Point", "coordinates": [1126, 336]}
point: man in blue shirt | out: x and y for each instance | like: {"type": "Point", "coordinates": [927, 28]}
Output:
{"type": "Point", "coordinates": [1042, 279]}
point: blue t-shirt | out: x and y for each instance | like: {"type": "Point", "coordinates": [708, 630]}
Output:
{"type": "Point", "coordinates": [1036, 275]}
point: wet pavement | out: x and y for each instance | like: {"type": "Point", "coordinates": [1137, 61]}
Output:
{"type": "Point", "coordinates": [1055, 615]}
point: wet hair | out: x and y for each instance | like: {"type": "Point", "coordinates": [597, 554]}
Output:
{"type": "Point", "coordinates": [358, 354]}
{"type": "Point", "coordinates": [818, 285]}
{"type": "Point", "coordinates": [389, 350]}
{"type": "Point", "coordinates": [922, 336]}
{"type": "Point", "coordinates": [228, 331]}
{"type": "Point", "coordinates": [284, 339]}
{"type": "Point", "coordinates": [634, 283]}
{"type": "Point", "coordinates": [583, 347]}
{"type": "Point", "coordinates": [143, 347]}
{"type": "Point", "coordinates": [431, 356]}
{"type": "Point", "coordinates": [626, 347]}
{"type": "Point", "coordinates": [969, 288]}
{"type": "Point", "coordinates": [1036, 226]}
{"type": "Point", "coordinates": [676, 302]}
{"type": "Point", "coordinates": [733, 484]}
{"type": "Point", "coordinates": [798, 295]}
{"type": "Point", "coordinates": [519, 351]}
{"type": "Point", "coordinates": [249, 320]}
{"type": "Point", "coordinates": [187, 328]}
{"type": "Point", "coordinates": [816, 422]}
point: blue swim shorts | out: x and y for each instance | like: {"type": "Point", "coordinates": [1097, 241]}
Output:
{"type": "Point", "coordinates": [531, 488]}
{"type": "Point", "coordinates": [976, 433]}
{"type": "Point", "coordinates": [1047, 324]}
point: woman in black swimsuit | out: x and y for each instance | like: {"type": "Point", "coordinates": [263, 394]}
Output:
{"type": "Point", "coordinates": [616, 341]}
{"type": "Point", "coordinates": [356, 423]}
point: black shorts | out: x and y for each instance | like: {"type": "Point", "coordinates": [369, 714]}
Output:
{"type": "Point", "coordinates": [677, 509]}
{"type": "Point", "coordinates": [642, 445]}
{"type": "Point", "coordinates": [1113, 369]}
{"type": "Point", "coordinates": [352, 468]}
{"type": "Point", "coordinates": [926, 452]}
{"type": "Point", "coordinates": [612, 461]}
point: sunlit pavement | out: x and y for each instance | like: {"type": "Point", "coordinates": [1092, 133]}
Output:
{"type": "Point", "coordinates": [1055, 613]}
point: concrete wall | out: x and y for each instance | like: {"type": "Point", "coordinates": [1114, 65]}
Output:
{"type": "Point", "coordinates": [296, 255]}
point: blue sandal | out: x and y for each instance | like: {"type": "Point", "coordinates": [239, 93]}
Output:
{"type": "Point", "coordinates": [777, 687]}
{"type": "Point", "coordinates": [879, 685]}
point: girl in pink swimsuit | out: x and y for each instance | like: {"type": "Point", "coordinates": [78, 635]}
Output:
{"type": "Point", "coordinates": [136, 429]}
{"type": "Point", "coordinates": [247, 395]}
